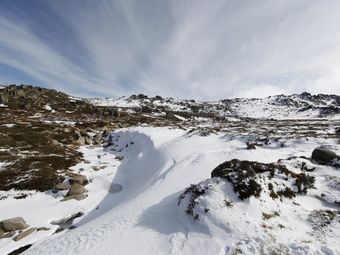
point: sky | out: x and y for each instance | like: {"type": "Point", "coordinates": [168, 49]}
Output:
{"type": "Point", "coordinates": [198, 49]}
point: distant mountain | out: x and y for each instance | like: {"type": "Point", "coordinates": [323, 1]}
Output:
{"type": "Point", "coordinates": [297, 106]}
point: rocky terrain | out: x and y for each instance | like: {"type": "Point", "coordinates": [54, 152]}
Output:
{"type": "Point", "coordinates": [233, 176]}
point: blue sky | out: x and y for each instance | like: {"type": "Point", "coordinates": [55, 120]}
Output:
{"type": "Point", "coordinates": [185, 49]}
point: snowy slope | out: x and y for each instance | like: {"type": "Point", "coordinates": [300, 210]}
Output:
{"type": "Point", "coordinates": [302, 106]}
{"type": "Point", "coordinates": [158, 165]}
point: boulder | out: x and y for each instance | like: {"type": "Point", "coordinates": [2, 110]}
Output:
{"type": "Point", "coordinates": [24, 234]}
{"type": "Point", "coordinates": [76, 189]}
{"type": "Point", "coordinates": [62, 186]}
{"type": "Point", "coordinates": [324, 155]}
{"type": "Point", "coordinates": [17, 223]}
{"type": "Point", "coordinates": [78, 179]}
{"type": "Point", "coordinates": [81, 140]}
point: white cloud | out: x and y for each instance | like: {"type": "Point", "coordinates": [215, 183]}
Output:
{"type": "Point", "coordinates": [200, 49]}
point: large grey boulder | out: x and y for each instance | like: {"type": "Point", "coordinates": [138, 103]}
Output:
{"type": "Point", "coordinates": [324, 155]}
{"type": "Point", "coordinates": [17, 223]}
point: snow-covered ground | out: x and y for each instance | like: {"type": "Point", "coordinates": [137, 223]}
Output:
{"type": "Point", "coordinates": [145, 218]}
{"type": "Point", "coordinates": [40, 209]}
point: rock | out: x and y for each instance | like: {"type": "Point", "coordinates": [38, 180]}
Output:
{"type": "Point", "coordinates": [62, 186]}
{"type": "Point", "coordinates": [76, 189]}
{"type": "Point", "coordinates": [81, 140]}
{"type": "Point", "coordinates": [120, 158]}
{"type": "Point", "coordinates": [251, 146]}
{"type": "Point", "coordinates": [17, 223]}
{"type": "Point", "coordinates": [78, 179]}
{"type": "Point", "coordinates": [24, 234]}
{"type": "Point", "coordinates": [7, 235]}
{"type": "Point", "coordinates": [66, 222]}
{"type": "Point", "coordinates": [43, 229]}
{"type": "Point", "coordinates": [56, 143]}
{"type": "Point", "coordinates": [324, 155]}
{"type": "Point", "coordinates": [96, 168]}
{"type": "Point", "coordinates": [88, 141]}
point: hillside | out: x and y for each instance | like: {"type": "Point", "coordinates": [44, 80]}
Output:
{"type": "Point", "coordinates": [155, 175]}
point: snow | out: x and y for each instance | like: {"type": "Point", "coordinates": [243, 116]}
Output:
{"type": "Point", "coordinates": [46, 207]}
{"type": "Point", "coordinates": [8, 125]}
{"type": "Point", "coordinates": [120, 102]}
{"type": "Point", "coordinates": [144, 217]}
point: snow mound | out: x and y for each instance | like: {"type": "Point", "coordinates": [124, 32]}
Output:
{"type": "Point", "coordinates": [266, 208]}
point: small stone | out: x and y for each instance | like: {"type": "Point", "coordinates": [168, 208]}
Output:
{"type": "Point", "coordinates": [81, 140]}
{"type": "Point", "coordinates": [120, 158]}
{"type": "Point", "coordinates": [43, 229]}
{"type": "Point", "coordinates": [24, 234]}
{"type": "Point", "coordinates": [95, 168]}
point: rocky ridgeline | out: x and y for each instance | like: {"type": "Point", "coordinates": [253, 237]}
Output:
{"type": "Point", "coordinates": [304, 105]}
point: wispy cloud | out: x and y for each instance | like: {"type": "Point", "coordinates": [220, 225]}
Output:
{"type": "Point", "coordinates": [200, 49]}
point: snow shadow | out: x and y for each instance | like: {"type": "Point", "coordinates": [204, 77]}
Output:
{"type": "Point", "coordinates": [167, 218]}
{"type": "Point", "coordinates": [136, 172]}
